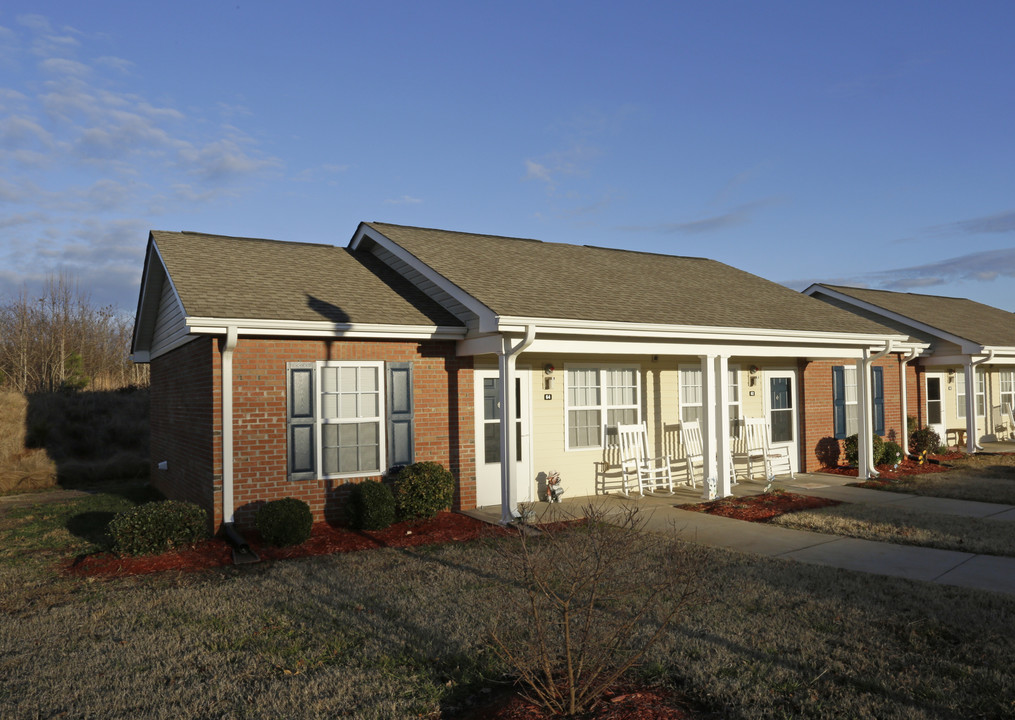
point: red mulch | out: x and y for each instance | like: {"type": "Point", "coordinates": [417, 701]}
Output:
{"type": "Point", "coordinates": [625, 703]}
{"type": "Point", "coordinates": [324, 540]}
{"type": "Point", "coordinates": [760, 508]}
{"type": "Point", "coordinates": [906, 468]}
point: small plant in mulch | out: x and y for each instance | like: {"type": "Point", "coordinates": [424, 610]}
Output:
{"type": "Point", "coordinates": [760, 508]}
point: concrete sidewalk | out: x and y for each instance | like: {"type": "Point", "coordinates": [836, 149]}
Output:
{"type": "Point", "coordinates": [947, 567]}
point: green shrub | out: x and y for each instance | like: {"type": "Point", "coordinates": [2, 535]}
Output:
{"type": "Point", "coordinates": [891, 454]}
{"type": "Point", "coordinates": [423, 489]}
{"type": "Point", "coordinates": [284, 522]}
{"type": "Point", "coordinates": [156, 527]}
{"type": "Point", "coordinates": [371, 506]}
{"type": "Point", "coordinates": [851, 449]}
{"type": "Point", "coordinates": [924, 439]}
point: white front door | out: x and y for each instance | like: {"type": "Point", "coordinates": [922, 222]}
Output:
{"type": "Point", "coordinates": [936, 383]}
{"type": "Point", "coordinates": [488, 450]}
{"type": "Point", "coordinates": [781, 412]}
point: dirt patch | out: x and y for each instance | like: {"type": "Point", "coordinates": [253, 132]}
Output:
{"type": "Point", "coordinates": [324, 540]}
{"type": "Point", "coordinates": [760, 508]}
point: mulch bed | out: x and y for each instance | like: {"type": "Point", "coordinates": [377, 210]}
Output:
{"type": "Point", "coordinates": [887, 472]}
{"type": "Point", "coordinates": [324, 539]}
{"type": "Point", "coordinates": [760, 508]}
{"type": "Point", "coordinates": [622, 703]}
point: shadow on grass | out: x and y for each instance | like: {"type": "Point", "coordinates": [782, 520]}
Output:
{"type": "Point", "coordinates": [92, 527]}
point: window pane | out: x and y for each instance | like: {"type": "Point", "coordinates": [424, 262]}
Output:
{"type": "Point", "coordinates": [329, 457]}
{"type": "Point", "coordinates": [782, 426]}
{"type": "Point", "coordinates": [583, 428]}
{"type": "Point", "coordinates": [367, 379]}
{"type": "Point", "coordinates": [690, 414]}
{"type": "Point", "coordinates": [347, 406]}
{"type": "Point", "coordinates": [491, 443]}
{"type": "Point", "coordinates": [368, 461]}
{"type": "Point", "coordinates": [781, 399]}
{"type": "Point", "coordinates": [368, 406]}
{"type": "Point", "coordinates": [348, 460]}
{"type": "Point", "coordinates": [329, 379]}
{"type": "Point", "coordinates": [491, 402]}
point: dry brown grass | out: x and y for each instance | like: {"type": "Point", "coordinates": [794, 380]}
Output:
{"type": "Point", "coordinates": [22, 469]}
{"type": "Point", "coordinates": [72, 440]}
{"type": "Point", "coordinates": [983, 477]}
{"type": "Point", "coordinates": [401, 633]}
{"type": "Point", "coordinates": [907, 527]}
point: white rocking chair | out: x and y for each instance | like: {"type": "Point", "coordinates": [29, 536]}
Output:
{"type": "Point", "coordinates": [759, 450]}
{"type": "Point", "coordinates": [694, 453]}
{"type": "Point", "coordinates": [651, 473]}
{"type": "Point", "coordinates": [1010, 414]}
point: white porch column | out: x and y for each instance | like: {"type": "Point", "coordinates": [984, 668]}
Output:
{"type": "Point", "coordinates": [715, 424]}
{"type": "Point", "coordinates": [508, 441]}
{"type": "Point", "coordinates": [865, 429]}
{"type": "Point", "coordinates": [508, 437]}
{"type": "Point", "coordinates": [971, 388]}
{"type": "Point", "coordinates": [724, 483]}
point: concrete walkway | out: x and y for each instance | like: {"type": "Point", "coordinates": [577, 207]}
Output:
{"type": "Point", "coordinates": [947, 567]}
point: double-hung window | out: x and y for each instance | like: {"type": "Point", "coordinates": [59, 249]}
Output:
{"type": "Point", "coordinates": [960, 393]}
{"type": "Point", "coordinates": [690, 396]}
{"type": "Point", "coordinates": [597, 399]}
{"type": "Point", "coordinates": [845, 400]}
{"type": "Point", "coordinates": [348, 418]}
{"type": "Point", "coordinates": [1007, 382]}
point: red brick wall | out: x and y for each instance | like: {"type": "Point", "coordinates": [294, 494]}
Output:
{"type": "Point", "coordinates": [443, 425]}
{"type": "Point", "coordinates": [184, 394]}
{"type": "Point", "coordinates": [819, 446]}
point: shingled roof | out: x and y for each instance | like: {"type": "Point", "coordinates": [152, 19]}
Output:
{"type": "Point", "coordinates": [530, 278]}
{"type": "Point", "coordinates": [230, 277]}
{"type": "Point", "coordinates": [978, 323]}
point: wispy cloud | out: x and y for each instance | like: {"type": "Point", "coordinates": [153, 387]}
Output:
{"type": "Point", "coordinates": [403, 200]}
{"type": "Point", "coordinates": [736, 216]}
{"type": "Point", "coordinates": [1003, 222]}
{"type": "Point", "coordinates": [87, 156]}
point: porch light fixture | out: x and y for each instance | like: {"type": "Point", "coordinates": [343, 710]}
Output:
{"type": "Point", "coordinates": [951, 376]}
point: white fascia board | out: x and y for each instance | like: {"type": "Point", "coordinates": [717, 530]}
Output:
{"type": "Point", "coordinates": [1007, 357]}
{"type": "Point", "coordinates": [557, 326]}
{"type": "Point", "coordinates": [605, 347]}
{"type": "Point", "coordinates": [308, 328]}
{"type": "Point", "coordinates": [487, 318]}
{"type": "Point", "coordinates": [967, 345]}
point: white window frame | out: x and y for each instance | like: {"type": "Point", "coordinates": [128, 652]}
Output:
{"type": "Point", "coordinates": [960, 393]}
{"type": "Point", "coordinates": [1007, 396]}
{"type": "Point", "coordinates": [604, 406]}
{"type": "Point", "coordinates": [735, 389]}
{"type": "Point", "coordinates": [380, 418]}
{"type": "Point", "coordinates": [852, 416]}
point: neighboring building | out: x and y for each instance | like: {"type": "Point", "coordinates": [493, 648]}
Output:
{"type": "Point", "coordinates": [287, 369]}
{"type": "Point", "coordinates": [969, 345]}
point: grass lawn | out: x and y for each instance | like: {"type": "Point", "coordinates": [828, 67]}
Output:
{"type": "Point", "coordinates": [983, 477]}
{"type": "Point", "coordinates": [907, 527]}
{"type": "Point", "coordinates": [400, 633]}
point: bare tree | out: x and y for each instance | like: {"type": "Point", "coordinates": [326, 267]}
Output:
{"type": "Point", "coordinates": [41, 338]}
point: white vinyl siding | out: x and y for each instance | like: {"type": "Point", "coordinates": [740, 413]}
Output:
{"type": "Point", "coordinates": [597, 398]}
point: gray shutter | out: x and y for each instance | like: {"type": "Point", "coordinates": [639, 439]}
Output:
{"type": "Point", "coordinates": [301, 423]}
{"type": "Point", "coordinates": [400, 415]}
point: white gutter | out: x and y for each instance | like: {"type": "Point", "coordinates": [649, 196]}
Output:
{"type": "Point", "coordinates": [905, 403]}
{"type": "Point", "coordinates": [971, 390]}
{"type": "Point", "coordinates": [508, 466]}
{"type": "Point", "coordinates": [227, 423]}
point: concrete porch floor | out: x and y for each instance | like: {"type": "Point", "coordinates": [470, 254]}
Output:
{"type": "Point", "coordinates": [662, 514]}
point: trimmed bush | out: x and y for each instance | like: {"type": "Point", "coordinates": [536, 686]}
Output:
{"type": "Point", "coordinates": [891, 453]}
{"type": "Point", "coordinates": [284, 522]}
{"type": "Point", "coordinates": [924, 439]}
{"type": "Point", "coordinates": [156, 527]}
{"type": "Point", "coordinates": [851, 449]}
{"type": "Point", "coordinates": [423, 489]}
{"type": "Point", "coordinates": [371, 506]}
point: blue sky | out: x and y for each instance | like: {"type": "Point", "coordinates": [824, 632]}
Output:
{"type": "Point", "coordinates": [864, 143]}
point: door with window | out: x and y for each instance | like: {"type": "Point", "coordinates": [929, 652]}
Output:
{"type": "Point", "coordinates": [781, 412]}
{"type": "Point", "coordinates": [488, 445]}
{"type": "Point", "coordinates": [935, 403]}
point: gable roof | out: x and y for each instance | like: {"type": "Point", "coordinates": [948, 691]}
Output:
{"type": "Point", "coordinates": [960, 318]}
{"type": "Point", "coordinates": [230, 277]}
{"type": "Point", "coordinates": [516, 277]}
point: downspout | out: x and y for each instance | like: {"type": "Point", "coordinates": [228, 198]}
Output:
{"type": "Point", "coordinates": [508, 466]}
{"type": "Point", "coordinates": [905, 401]}
{"type": "Point", "coordinates": [868, 400]}
{"type": "Point", "coordinates": [971, 390]}
{"type": "Point", "coordinates": [227, 423]}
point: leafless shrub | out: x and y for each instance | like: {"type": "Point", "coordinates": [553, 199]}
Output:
{"type": "Point", "coordinates": [595, 597]}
